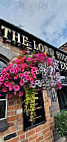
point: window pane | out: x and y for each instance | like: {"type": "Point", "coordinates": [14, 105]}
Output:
{"type": "Point", "coordinates": [62, 98]}
{"type": "Point", "coordinates": [2, 64]}
{"type": "Point", "coordinates": [3, 95]}
{"type": "Point", "coordinates": [2, 109]}
{"type": "Point", "coordinates": [2, 102]}
{"type": "Point", "coordinates": [65, 97]}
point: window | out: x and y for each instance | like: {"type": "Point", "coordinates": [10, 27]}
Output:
{"type": "Point", "coordinates": [2, 65]}
{"type": "Point", "coordinates": [62, 98]}
{"type": "Point", "coordinates": [3, 107]}
{"type": "Point", "coordinates": [3, 104]}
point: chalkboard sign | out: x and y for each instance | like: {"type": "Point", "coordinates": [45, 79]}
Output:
{"type": "Point", "coordinates": [39, 112]}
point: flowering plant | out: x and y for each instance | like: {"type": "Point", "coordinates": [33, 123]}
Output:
{"type": "Point", "coordinates": [37, 71]}
{"type": "Point", "coordinates": [29, 73]}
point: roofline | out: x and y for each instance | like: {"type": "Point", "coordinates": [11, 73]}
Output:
{"type": "Point", "coordinates": [25, 32]}
{"type": "Point", "coordinates": [21, 30]}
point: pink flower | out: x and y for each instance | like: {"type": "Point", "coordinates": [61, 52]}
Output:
{"type": "Point", "coordinates": [41, 59]}
{"type": "Point", "coordinates": [34, 61]}
{"type": "Point", "coordinates": [2, 78]}
{"type": "Point", "coordinates": [6, 78]}
{"type": "Point", "coordinates": [3, 72]}
{"type": "Point", "coordinates": [59, 84]}
{"type": "Point", "coordinates": [12, 70]}
{"type": "Point", "coordinates": [21, 82]}
{"type": "Point", "coordinates": [38, 54]}
{"type": "Point", "coordinates": [20, 94]}
{"type": "Point", "coordinates": [6, 83]}
{"type": "Point", "coordinates": [25, 65]}
{"type": "Point", "coordinates": [9, 76]}
{"type": "Point", "coordinates": [16, 87]}
{"type": "Point", "coordinates": [24, 58]}
{"type": "Point", "coordinates": [37, 58]}
{"type": "Point", "coordinates": [9, 67]}
{"type": "Point", "coordinates": [27, 77]}
{"type": "Point", "coordinates": [59, 87]}
{"type": "Point", "coordinates": [16, 77]}
{"type": "Point", "coordinates": [20, 75]}
{"type": "Point", "coordinates": [4, 89]}
{"type": "Point", "coordinates": [22, 65]}
{"type": "Point", "coordinates": [31, 80]}
{"type": "Point", "coordinates": [33, 75]}
{"type": "Point", "coordinates": [22, 69]}
{"type": "Point", "coordinates": [4, 75]}
{"type": "Point", "coordinates": [10, 96]}
{"type": "Point", "coordinates": [10, 87]}
{"type": "Point", "coordinates": [49, 61]}
{"type": "Point", "coordinates": [18, 69]}
{"type": "Point", "coordinates": [5, 69]}
{"type": "Point", "coordinates": [1, 82]}
{"type": "Point", "coordinates": [0, 95]}
{"type": "Point", "coordinates": [34, 56]}
{"type": "Point", "coordinates": [34, 69]}
{"type": "Point", "coordinates": [17, 60]}
{"type": "Point", "coordinates": [28, 59]}
{"type": "Point", "coordinates": [26, 73]}
{"type": "Point", "coordinates": [30, 66]}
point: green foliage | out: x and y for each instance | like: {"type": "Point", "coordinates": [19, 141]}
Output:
{"type": "Point", "coordinates": [61, 123]}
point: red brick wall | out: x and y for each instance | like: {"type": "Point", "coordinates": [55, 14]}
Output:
{"type": "Point", "coordinates": [40, 133]}
{"type": "Point", "coordinates": [15, 50]}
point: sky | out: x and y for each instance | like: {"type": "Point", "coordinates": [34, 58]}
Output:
{"type": "Point", "coordinates": [46, 19]}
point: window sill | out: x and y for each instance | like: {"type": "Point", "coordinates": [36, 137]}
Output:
{"type": "Point", "coordinates": [3, 125]}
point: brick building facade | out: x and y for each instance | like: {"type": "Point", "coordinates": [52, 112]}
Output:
{"type": "Point", "coordinates": [15, 131]}
{"type": "Point", "coordinates": [43, 132]}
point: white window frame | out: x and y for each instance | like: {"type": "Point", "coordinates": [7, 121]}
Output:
{"type": "Point", "coordinates": [5, 108]}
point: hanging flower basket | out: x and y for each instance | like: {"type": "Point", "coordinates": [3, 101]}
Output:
{"type": "Point", "coordinates": [29, 73]}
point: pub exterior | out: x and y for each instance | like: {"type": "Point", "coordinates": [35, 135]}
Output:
{"type": "Point", "coordinates": [14, 124]}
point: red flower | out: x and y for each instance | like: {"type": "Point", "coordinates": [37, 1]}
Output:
{"type": "Point", "coordinates": [20, 59]}
{"type": "Point", "coordinates": [22, 52]}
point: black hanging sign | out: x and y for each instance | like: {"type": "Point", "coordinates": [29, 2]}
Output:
{"type": "Point", "coordinates": [39, 112]}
